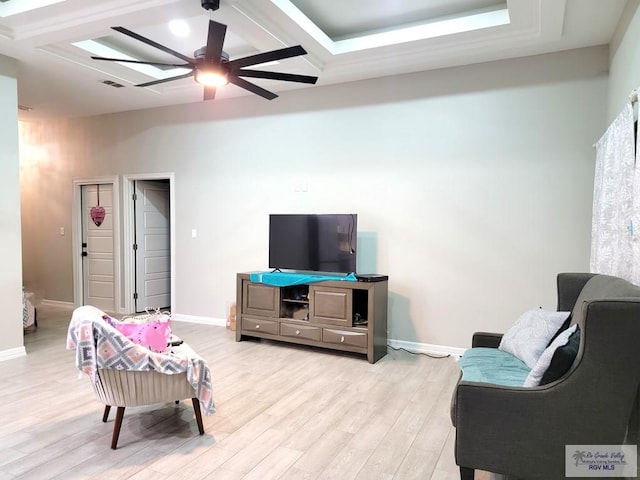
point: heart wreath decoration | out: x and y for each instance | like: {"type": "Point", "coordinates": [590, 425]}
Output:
{"type": "Point", "coordinates": [98, 213]}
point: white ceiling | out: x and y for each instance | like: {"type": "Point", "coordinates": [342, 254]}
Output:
{"type": "Point", "coordinates": [346, 40]}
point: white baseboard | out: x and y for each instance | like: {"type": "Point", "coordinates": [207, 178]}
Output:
{"type": "Point", "coordinates": [414, 347]}
{"type": "Point", "coordinates": [438, 350]}
{"type": "Point", "coordinates": [57, 303]}
{"type": "Point", "coordinates": [216, 322]}
{"type": "Point", "coordinates": [428, 348]}
{"type": "Point", "coordinates": [12, 353]}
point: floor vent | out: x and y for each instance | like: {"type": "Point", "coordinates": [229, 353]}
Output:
{"type": "Point", "coordinates": [111, 83]}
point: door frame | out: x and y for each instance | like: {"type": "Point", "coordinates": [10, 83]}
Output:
{"type": "Point", "coordinates": [129, 234]}
{"type": "Point", "coordinates": [76, 234]}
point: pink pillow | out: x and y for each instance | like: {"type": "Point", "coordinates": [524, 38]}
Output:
{"type": "Point", "coordinates": [154, 334]}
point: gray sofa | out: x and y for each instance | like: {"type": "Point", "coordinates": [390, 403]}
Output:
{"type": "Point", "coordinates": [522, 432]}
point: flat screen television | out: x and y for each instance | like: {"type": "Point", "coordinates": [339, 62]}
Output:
{"type": "Point", "coordinates": [317, 243]}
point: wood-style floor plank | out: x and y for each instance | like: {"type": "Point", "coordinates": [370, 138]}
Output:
{"type": "Point", "coordinates": [284, 412]}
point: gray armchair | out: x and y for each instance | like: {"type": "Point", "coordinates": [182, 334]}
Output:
{"type": "Point", "coordinates": [522, 432]}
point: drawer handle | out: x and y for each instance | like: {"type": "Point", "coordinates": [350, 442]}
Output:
{"type": "Point", "coordinates": [258, 326]}
{"type": "Point", "coordinates": [342, 339]}
{"type": "Point", "coordinates": [297, 332]}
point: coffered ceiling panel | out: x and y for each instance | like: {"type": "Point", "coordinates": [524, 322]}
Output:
{"type": "Point", "coordinates": [53, 41]}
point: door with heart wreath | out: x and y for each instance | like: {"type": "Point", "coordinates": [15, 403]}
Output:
{"type": "Point", "coordinates": [98, 246]}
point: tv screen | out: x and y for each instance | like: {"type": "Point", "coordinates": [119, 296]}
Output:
{"type": "Point", "coordinates": [319, 243]}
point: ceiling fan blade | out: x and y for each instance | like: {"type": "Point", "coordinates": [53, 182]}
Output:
{"type": "Point", "coordinates": [209, 93]}
{"type": "Point", "coordinates": [163, 80]}
{"type": "Point", "coordinates": [142, 39]}
{"type": "Point", "coordinates": [287, 77]}
{"type": "Point", "coordinates": [252, 87]}
{"type": "Point", "coordinates": [215, 41]}
{"type": "Point", "coordinates": [176, 65]}
{"type": "Point", "coordinates": [267, 57]}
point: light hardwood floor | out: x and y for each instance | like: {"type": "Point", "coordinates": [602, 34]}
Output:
{"type": "Point", "coordinates": [283, 412]}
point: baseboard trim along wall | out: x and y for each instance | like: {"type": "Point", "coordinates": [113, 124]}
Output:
{"type": "Point", "coordinates": [413, 347]}
{"type": "Point", "coordinates": [12, 353]}
{"type": "Point", "coordinates": [217, 322]}
{"type": "Point", "coordinates": [57, 303]}
{"type": "Point", "coordinates": [427, 348]}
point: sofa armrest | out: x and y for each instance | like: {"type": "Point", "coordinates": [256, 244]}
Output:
{"type": "Point", "coordinates": [486, 339]}
{"type": "Point", "coordinates": [502, 417]}
{"type": "Point", "coordinates": [493, 422]}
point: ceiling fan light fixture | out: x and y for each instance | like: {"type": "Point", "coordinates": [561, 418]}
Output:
{"type": "Point", "coordinates": [179, 27]}
{"type": "Point", "coordinates": [211, 66]}
{"type": "Point", "coordinates": [211, 78]}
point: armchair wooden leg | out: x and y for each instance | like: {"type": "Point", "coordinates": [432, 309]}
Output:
{"type": "Point", "coordinates": [196, 410]}
{"type": "Point", "coordinates": [466, 473]}
{"type": "Point", "coordinates": [116, 427]}
{"type": "Point", "coordinates": [105, 415]}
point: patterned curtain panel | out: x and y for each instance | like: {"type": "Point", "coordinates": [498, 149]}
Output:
{"type": "Point", "coordinates": [616, 198]}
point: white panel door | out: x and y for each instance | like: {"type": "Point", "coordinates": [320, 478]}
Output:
{"type": "Point", "coordinates": [152, 244]}
{"type": "Point", "coordinates": [97, 249]}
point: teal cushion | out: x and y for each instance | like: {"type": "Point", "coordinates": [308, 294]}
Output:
{"type": "Point", "coordinates": [490, 365]}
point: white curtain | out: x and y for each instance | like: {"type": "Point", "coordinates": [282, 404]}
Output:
{"type": "Point", "coordinates": [616, 199]}
{"type": "Point", "coordinates": [635, 210]}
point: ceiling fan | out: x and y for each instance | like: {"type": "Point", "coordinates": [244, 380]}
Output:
{"type": "Point", "coordinates": [211, 66]}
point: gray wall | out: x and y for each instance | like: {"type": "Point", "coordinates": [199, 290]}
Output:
{"type": "Point", "coordinates": [473, 185]}
{"type": "Point", "coordinates": [11, 340]}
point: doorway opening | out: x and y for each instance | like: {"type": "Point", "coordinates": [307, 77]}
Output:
{"type": "Point", "coordinates": [149, 235]}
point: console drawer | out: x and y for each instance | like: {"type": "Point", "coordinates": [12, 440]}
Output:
{"type": "Point", "coordinates": [344, 337]}
{"type": "Point", "coordinates": [259, 325]}
{"type": "Point", "coordinates": [300, 331]}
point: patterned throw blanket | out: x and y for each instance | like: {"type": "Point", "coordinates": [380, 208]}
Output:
{"type": "Point", "coordinates": [99, 345]}
{"type": "Point", "coordinates": [28, 310]}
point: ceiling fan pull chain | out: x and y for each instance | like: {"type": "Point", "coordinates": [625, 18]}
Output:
{"type": "Point", "coordinates": [98, 193]}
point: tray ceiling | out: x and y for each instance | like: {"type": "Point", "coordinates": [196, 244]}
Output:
{"type": "Point", "coordinates": [345, 41]}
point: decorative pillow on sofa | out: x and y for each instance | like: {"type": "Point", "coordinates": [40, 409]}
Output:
{"type": "Point", "coordinates": [530, 335]}
{"type": "Point", "coordinates": [562, 359]}
{"type": "Point", "coordinates": [563, 327]}
{"type": "Point", "coordinates": [556, 360]}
